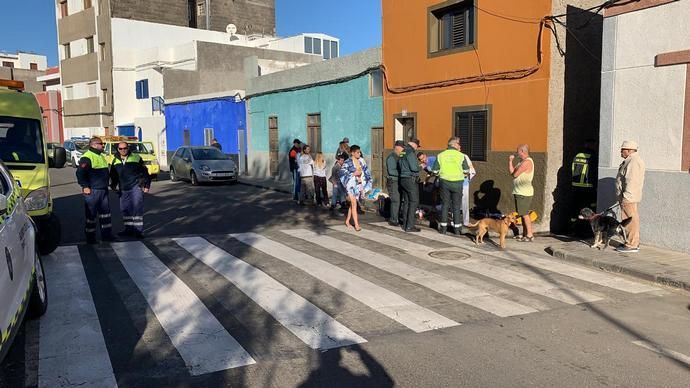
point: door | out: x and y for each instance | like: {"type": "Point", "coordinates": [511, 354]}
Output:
{"type": "Point", "coordinates": [273, 145]}
{"type": "Point", "coordinates": [242, 148]}
{"type": "Point", "coordinates": [377, 156]}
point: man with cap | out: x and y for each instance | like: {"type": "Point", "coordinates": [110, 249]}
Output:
{"type": "Point", "coordinates": [343, 148]}
{"type": "Point", "coordinates": [409, 190]}
{"type": "Point", "coordinates": [629, 183]}
{"type": "Point", "coordinates": [294, 170]}
{"type": "Point", "coordinates": [392, 181]}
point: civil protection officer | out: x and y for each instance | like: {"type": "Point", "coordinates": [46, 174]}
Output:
{"type": "Point", "coordinates": [392, 181]}
{"type": "Point", "coordinates": [584, 191]}
{"type": "Point", "coordinates": [93, 177]}
{"type": "Point", "coordinates": [129, 172]}
{"type": "Point", "coordinates": [451, 166]}
{"type": "Point", "coordinates": [409, 189]}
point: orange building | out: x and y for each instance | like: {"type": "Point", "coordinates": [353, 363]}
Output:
{"type": "Point", "coordinates": [477, 69]}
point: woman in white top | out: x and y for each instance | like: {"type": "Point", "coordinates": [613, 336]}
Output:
{"type": "Point", "coordinates": [320, 180]}
{"type": "Point", "coordinates": [306, 172]}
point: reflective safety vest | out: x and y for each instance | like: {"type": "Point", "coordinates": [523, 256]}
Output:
{"type": "Point", "coordinates": [131, 158]}
{"type": "Point", "coordinates": [450, 163]}
{"type": "Point", "coordinates": [580, 170]}
{"type": "Point", "coordinates": [97, 160]}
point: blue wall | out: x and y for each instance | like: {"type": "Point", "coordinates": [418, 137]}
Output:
{"type": "Point", "coordinates": [224, 115]}
{"type": "Point", "coordinates": [346, 111]}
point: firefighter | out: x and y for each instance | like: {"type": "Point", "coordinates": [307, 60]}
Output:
{"type": "Point", "coordinates": [130, 174]}
{"type": "Point", "coordinates": [93, 177]}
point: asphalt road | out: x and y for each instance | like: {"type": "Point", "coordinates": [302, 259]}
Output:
{"type": "Point", "coordinates": [237, 286]}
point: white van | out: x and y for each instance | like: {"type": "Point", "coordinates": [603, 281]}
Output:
{"type": "Point", "coordinates": [22, 281]}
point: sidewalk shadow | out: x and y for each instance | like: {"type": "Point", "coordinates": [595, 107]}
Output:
{"type": "Point", "coordinates": [331, 373]}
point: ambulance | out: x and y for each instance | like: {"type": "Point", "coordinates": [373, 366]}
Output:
{"type": "Point", "coordinates": [144, 149]}
{"type": "Point", "coordinates": [23, 150]}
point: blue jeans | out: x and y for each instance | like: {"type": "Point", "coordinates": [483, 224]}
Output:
{"type": "Point", "coordinates": [296, 184]}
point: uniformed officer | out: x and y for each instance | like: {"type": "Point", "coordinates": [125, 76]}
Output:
{"type": "Point", "coordinates": [583, 179]}
{"type": "Point", "coordinates": [93, 177]}
{"type": "Point", "coordinates": [451, 167]}
{"type": "Point", "coordinates": [392, 181]}
{"type": "Point", "coordinates": [129, 172]}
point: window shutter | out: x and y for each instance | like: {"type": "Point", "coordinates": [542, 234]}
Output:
{"type": "Point", "coordinates": [478, 136]}
{"type": "Point", "coordinates": [459, 29]}
{"type": "Point", "coordinates": [462, 130]}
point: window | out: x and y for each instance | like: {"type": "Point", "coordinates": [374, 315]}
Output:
{"type": "Point", "coordinates": [89, 45]}
{"type": "Point", "coordinates": [63, 9]}
{"type": "Point", "coordinates": [33, 66]}
{"type": "Point", "coordinates": [191, 13]}
{"type": "Point", "coordinates": [186, 138]}
{"type": "Point", "coordinates": [67, 53]}
{"type": "Point", "coordinates": [208, 136]}
{"type": "Point", "coordinates": [326, 49]}
{"type": "Point", "coordinates": [91, 89]}
{"type": "Point", "coordinates": [7, 64]}
{"type": "Point", "coordinates": [142, 89]}
{"type": "Point", "coordinates": [69, 92]}
{"type": "Point", "coordinates": [87, 4]}
{"type": "Point", "coordinates": [101, 50]}
{"type": "Point", "coordinates": [308, 45]}
{"type": "Point", "coordinates": [158, 104]}
{"type": "Point", "coordinates": [472, 128]}
{"type": "Point", "coordinates": [317, 46]}
{"type": "Point", "coordinates": [376, 83]}
{"type": "Point", "coordinates": [200, 9]}
{"type": "Point", "coordinates": [452, 27]}
{"type": "Point", "coordinates": [314, 132]}
{"type": "Point", "coordinates": [104, 97]}
{"type": "Point", "coordinates": [334, 49]}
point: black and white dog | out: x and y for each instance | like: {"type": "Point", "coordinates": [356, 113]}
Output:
{"type": "Point", "coordinates": [605, 226]}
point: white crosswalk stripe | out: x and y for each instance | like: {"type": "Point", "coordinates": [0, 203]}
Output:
{"type": "Point", "coordinates": [388, 303]}
{"type": "Point", "coordinates": [201, 340]}
{"type": "Point", "coordinates": [573, 271]}
{"type": "Point", "coordinates": [309, 323]}
{"type": "Point", "coordinates": [451, 288]}
{"type": "Point", "coordinates": [71, 348]}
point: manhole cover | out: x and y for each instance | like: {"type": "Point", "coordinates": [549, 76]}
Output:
{"type": "Point", "coordinates": [449, 255]}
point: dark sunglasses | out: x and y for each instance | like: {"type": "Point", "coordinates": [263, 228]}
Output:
{"type": "Point", "coordinates": [122, 148]}
{"type": "Point", "coordinates": [97, 143]}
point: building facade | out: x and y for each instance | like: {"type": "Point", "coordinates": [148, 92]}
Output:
{"type": "Point", "coordinates": [319, 104]}
{"type": "Point", "coordinates": [645, 97]}
{"type": "Point", "coordinates": [94, 38]}
{"type": "Point", "coordinates": [22, 60]}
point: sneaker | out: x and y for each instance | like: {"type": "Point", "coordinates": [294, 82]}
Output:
{"type": "Point", "coordinates": [625, 249]}
{"type": "Point", "coordinates": [442, 229]}
{"type": "Point", "coordinates": [413, 229]}
{"type": "Point", "coordinates": [393, 223]}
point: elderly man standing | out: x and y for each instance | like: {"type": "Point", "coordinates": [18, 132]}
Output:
{"type": "Point", "coordinates": [629, 183]}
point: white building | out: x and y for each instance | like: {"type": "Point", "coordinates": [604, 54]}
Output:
{"type": "Point", "coordinates": [645, 97]}
{"type": "Point", "coordinates": [23, 60]}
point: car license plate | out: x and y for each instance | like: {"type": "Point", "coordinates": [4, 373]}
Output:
{"type": "Point", "coordinates": [223, 174]}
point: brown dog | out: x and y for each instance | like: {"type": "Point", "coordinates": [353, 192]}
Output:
{"type": "Point", "coordinates": [491, 224]}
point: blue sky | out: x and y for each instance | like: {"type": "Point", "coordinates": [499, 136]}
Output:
{"type": "Point", "coordinates": [29, 25]}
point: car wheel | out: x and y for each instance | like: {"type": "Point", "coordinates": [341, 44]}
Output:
{"type": "Point", "coordinates": [38, 304]}
{"type": "Point", "coordinates": [173, 177]}
{"type": "Point", "coordinates": [192, 177]}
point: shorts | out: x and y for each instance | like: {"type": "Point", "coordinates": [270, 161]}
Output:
{"type": "Point", "coordinates": [522, 204]}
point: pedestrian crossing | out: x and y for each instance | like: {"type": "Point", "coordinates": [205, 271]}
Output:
{"type": "Point", "coordinates": [210, 301]}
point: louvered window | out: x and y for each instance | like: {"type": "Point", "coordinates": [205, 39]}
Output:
{"type": "Point", "coordinates": [453, 26]}
{"type": "Point", "coordinates": [472, 128]}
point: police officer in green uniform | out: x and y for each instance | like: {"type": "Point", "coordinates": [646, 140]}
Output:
{"type": "Point", "coordinates": [93, 176]}
{"type": "Point", "coordinates": [451, 167]}
{"type": "Point", "coordinates": [393, 181]}
{"type": "Point", "coordinates": [583, 169]}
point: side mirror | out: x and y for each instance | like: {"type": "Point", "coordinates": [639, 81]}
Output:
{"type": "Point", "coordinates": [3, 205]}
{"type": "Point", "coordinates": [59, 157]}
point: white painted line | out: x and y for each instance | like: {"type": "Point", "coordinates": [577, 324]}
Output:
{"type": "Point", "coordinates": [453, 289]}
{"type": "Point", "coordinates": [529, 282]}
{"type": "Point", "coordinates": [399, 309]}
{"type": "Point", "coordinates": [680, 357]}
{"type": "Point", "coordinates": [573, 271]}
{"type": "Point", "coordinates": [309, 323]}
{"type": "Point", "coordinates": [201, 340]}
{"type": "Point", "coordinates": [72, 349]}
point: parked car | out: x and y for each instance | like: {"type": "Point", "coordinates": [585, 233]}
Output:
{"type": "Point", "coordinates": [76, 147]}
{"type": "Point", "coordinates": [51, 154]}
{"type": "Point", "coordinates": [22, 282]}
{"type": "Point", "coordinates": [143, 149]}
{"type": "Point", "coordinates": [202, 164]}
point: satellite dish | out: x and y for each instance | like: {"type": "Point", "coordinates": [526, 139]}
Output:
{"type": "Point", "coordinates": [231, 29]}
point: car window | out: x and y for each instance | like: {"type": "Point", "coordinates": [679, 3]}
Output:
{"type": "Point", "coordinates": [4, 184]}
{"type": "Point", "coordinates": [21, 140]}
{"type": "Point", "coordinates": [211, 153]}
{"type": "Point", "coordinates": [185, 153]}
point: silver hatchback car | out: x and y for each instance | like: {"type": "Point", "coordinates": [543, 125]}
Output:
{"type": "Point", "coordinates": [202, 164]}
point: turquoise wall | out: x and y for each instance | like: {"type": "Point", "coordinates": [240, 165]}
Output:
{"type": "Point", "coordinates": [346, 111]}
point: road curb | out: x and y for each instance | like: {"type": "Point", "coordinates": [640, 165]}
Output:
{"type": "Point", "coordinates": [661, 279]}
{"type": "Point", "coordinates": [266, 187]}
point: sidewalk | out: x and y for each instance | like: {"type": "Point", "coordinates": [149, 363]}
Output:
{"type": "Point", "coordinates": [669, 268]}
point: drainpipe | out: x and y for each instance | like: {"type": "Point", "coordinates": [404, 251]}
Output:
{"type": "Point", "coordinates": [208, 14]}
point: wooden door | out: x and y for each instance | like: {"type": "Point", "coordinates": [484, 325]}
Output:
{"type": "Point", "coordinates": [377, 156]}
{"type": "Point", "coordinates": [273, 145]}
